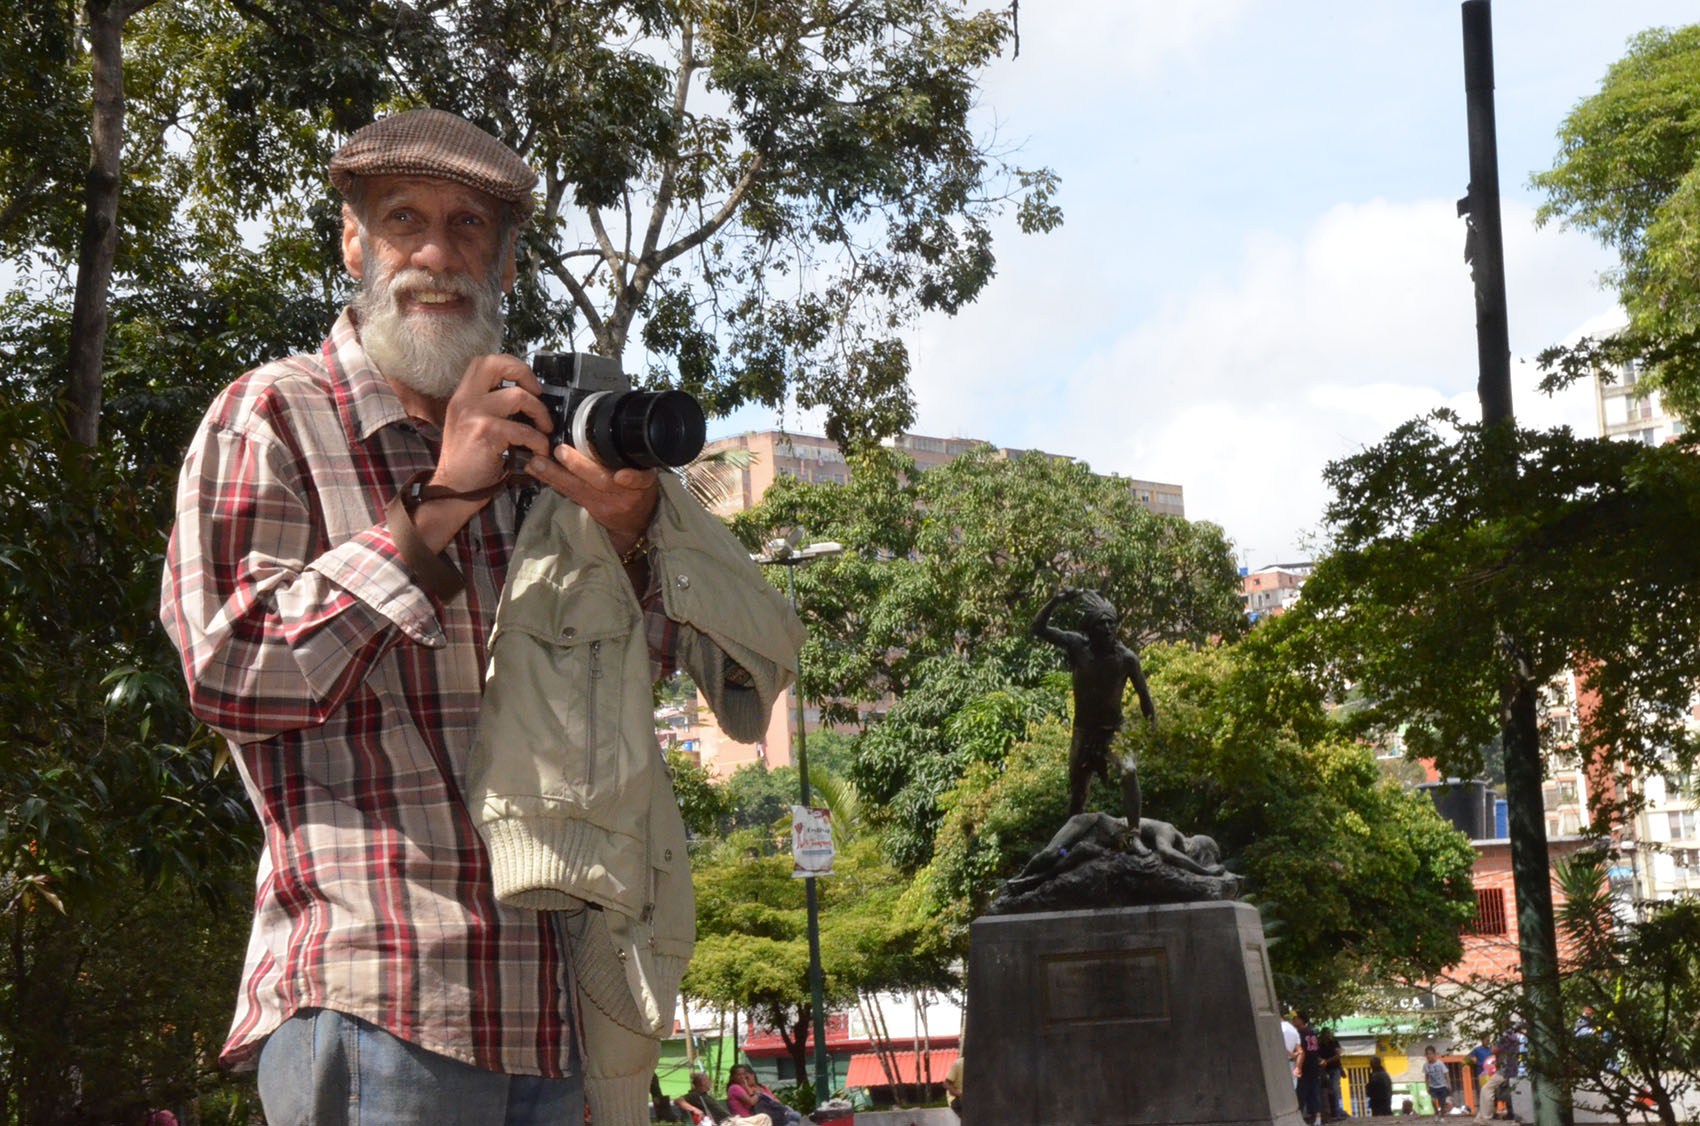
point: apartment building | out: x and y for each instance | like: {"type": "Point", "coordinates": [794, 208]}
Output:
{"type": "Point", "coordinates": [1269, 592]}
{"type": "Point", "coordinates": [1628, 410]}
{"type": "Point", "coordinates": [1660, 845]}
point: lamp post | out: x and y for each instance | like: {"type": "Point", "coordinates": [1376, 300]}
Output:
{"type": "Point", "coordinates": [784, 553]}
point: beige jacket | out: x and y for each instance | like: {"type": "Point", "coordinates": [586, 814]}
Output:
{"type": "Point", "coordinates": [566, 780]}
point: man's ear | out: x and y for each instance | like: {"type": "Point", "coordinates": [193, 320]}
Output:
{"type": "Point", "coordinates": [352, 256]}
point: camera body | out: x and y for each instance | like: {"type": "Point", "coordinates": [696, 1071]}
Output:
{"type": "Point", "coordinates": [595, 410]}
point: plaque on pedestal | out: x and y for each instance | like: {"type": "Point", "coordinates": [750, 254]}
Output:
{"type": "Point", "coordinates": [1125, 1017]}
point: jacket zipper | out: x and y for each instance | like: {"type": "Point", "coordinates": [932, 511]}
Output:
{"type": "Point", "coordinates": [590, 743]}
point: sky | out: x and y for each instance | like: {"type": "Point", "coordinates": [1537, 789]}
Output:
{"type": "Point", "coordinates": [1261, 265]}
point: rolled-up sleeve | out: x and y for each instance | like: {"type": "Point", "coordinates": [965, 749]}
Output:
{"type": "Point", "coordinates": [275, 626]}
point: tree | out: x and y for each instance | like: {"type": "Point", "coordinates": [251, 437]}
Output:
{"type": "Point", "coordinates": [1358, 880]}
{"type": "Point", "coordinates": [752, 947]}
{"type": "Point", "coordinates": [761, 196]}
{"type": "Point", "coordinates": [1632, 996]}
{"type": "Point", "coordinates": [932, 600]}
{"type": "Point", "coordinates": [1628, 172]}
{"type": "Point", "coordinates": [1582, 555]}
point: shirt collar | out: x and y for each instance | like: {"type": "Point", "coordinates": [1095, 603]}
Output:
{"type": "Point", "coordinates": [366, 402]}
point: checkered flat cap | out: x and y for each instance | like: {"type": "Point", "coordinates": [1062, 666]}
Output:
{"type": "Point", "coordinates": [429, 142]}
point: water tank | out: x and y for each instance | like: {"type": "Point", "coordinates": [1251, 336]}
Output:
{"type": "Point", "coordinates": [1468, 805]}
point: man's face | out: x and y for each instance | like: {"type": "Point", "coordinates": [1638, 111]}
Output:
{"type": "Point", "coordinates": [434, 264]}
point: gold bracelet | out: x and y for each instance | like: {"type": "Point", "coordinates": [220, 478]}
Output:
{"type": "Point", "coordinates": [636, 552]}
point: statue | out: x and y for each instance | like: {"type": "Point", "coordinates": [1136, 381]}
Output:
{"type": "Point", "coordinates": [1102, 666]}
{"type": "Point", "coordinates": [1096, 860]}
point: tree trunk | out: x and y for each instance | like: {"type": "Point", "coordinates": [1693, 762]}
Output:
{"type": "Point", "coordinates": [1537, 937]}
{"type": "Point", "coordinates": [1519, 722]}
{"type": "Point", "coordinates": [89, 311]}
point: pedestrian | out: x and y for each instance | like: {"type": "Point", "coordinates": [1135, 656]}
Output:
{"type": "Point", "coordinates": [1333, 1071]}
{"type": "Point", "coordinates": [1290, 1038]}
{"type": "Point", "coordinates": [1438, 1081]}
{"type": "Point", "coordinates": [337, 584]}
{"type": "Point", "coordinates": [1379, 1089]}
{"type": "Point", "coordinates": [1479, 1055]}
{"type": "Point", "coordinates": [953, 1084]}
{"type": "Point", "coordinates": [1310, 1069]}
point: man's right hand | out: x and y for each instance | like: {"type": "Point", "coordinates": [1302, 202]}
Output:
{"type": "Point", "coordinates": [479, 427]}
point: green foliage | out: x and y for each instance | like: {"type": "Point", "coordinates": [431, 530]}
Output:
{"type": "Point", "coordinates": [1628, 172]}
{"type": "Point", "coordinates": [1585, 555]}
{"type": "Point", "coordinates": [752, 941]}
{"type": "Point", "coordinates": [1641, 986]}
{"type": "Point", "coordinates": [702, 803]}
{"type": "Point", "coordinates": [117, 834]}
{"type": "Point", "coordinates": [1359, 881]}
{"type": "Point", "coordinates": [119, 1007]}
{"type": "Point", "coordinates": [933, 598]}
{"type": "Point", "coordinates": [759, 801]}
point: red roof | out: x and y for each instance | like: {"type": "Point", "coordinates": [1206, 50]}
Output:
{"type": "Point", "coordinates": [866, 1071]}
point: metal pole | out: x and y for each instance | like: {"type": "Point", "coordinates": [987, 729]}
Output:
{"type": "Point", "coordinates": [817, 983]}
{"type": "Point", "coordinates": [1519, 711]}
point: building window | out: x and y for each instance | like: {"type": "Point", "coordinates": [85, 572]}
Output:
{"type": "Point", "coordinates": [1682, 825]}
{"type": "Point", "coordinates": [1490, 912]}
{"type": "Point", "coordinates": [1567, 792]}
{"type": "Point", "coordinates": [1687, 861]}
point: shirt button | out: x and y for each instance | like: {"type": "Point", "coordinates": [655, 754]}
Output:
{"type": "Point", "coordinates": [683, 582]}
{"type": "Point", "coordinates": [667, 854]}
{"type": "Point", "coordinates": [570, 632]}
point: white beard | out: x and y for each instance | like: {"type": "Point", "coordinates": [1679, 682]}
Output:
{"type": "Point", "coordinates": [430, 354]}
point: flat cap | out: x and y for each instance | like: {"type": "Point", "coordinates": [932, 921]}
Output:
{"type": "Point", "coordinates": [430, 142]}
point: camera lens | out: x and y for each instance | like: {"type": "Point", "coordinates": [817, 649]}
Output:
{"type": "Point", "coordinates": [641, 429]}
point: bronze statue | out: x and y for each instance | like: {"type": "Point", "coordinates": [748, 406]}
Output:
{"type": "Point", "coordinates": [1101, 666]}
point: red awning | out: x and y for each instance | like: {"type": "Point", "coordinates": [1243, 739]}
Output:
{"type": "Point", "coordinates": [865, 1069]}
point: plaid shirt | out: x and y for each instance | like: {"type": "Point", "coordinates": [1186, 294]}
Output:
{"type": "Point", "coordinates": [350, 697]}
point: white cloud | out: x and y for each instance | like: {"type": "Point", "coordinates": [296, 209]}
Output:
{"type": "Point", "coordinates": [1079, 54]}
{"type": "Point", "coordinates": [1244, 386]}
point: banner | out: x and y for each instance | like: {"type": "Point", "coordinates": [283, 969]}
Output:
{"type": "Point", "coordinates": [811, 842]}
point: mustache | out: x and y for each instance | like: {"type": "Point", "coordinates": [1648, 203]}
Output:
{"type": "Point", "coordinates": [414, 278]}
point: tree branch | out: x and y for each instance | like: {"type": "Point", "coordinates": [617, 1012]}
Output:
{"type": "Point", "coordinates": [719, 219]}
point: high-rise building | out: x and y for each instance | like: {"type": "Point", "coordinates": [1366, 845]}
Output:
{"type": "Point", "coordinates": [1629, 410]}
{"type": "Point", "coordinates": [1659, 846]}
{"type": "Point", "coordinates": [810, 457]}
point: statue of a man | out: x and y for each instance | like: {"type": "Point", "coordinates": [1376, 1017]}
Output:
{"type": "Point", "coordinates": [1101, 666]}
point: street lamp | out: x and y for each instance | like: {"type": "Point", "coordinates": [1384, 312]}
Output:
{"type": "Point", "coordinates": [785, 553]}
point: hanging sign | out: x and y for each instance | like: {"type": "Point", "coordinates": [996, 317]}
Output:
{"type": "Point", "coordinates": [811, 842]}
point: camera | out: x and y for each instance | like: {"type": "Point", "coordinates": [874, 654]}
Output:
{"type": "Point", "coordinates": [595, 410]}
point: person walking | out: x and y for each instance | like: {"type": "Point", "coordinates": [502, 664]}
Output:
{"type": "Point", "coordinates": [1438, 1081]}
{"type": "Point", "coordinates": [1310, 1069]}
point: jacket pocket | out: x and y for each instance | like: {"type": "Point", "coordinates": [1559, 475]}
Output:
{"type": "Point", "coordinates": [552, 705]}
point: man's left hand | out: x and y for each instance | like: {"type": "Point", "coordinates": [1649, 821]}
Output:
{"type": "Point", "coordinates": [621, 500]}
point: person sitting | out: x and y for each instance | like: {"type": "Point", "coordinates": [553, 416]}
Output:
{"type": "Point", "coordinates": [748, 1097]}
{"type": "Point", "coordinates": [702, 1107]}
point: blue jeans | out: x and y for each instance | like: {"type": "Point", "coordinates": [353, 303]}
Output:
{"type": "Point", "coordinates": [325, 1068]}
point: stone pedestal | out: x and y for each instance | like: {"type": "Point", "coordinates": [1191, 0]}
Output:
{"type": "Point", "coordinates": [1130, 1015]}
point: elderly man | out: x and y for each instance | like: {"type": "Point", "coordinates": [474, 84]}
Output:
{"type": "Point", "coordinates": [347, 564]}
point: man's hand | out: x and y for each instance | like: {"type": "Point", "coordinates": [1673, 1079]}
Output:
{"type": "Point", "coordinates": [478, 429]}
{"type": "Point", "coordinates": [621, 500]}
